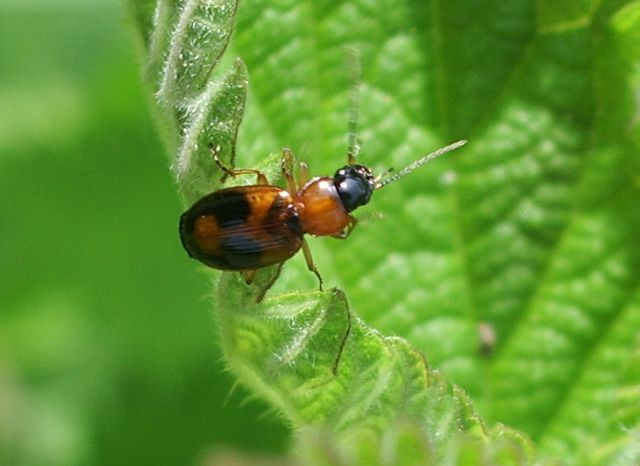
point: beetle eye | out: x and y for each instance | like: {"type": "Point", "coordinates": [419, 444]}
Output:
{"type": "Point", "coordinates": [355, 184]}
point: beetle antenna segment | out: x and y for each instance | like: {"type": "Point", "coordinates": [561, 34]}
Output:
{"type": "Point", "coordinates": [215, 150]}
{"type": "Point", "coordinates": [354, 104]}
{"type": "Point", "coordinates": [383, 175]}
{"type": "Point", "coordinates": [380, 182]}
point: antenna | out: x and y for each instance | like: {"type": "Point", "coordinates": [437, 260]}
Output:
{"type": "Point", "coordinates": [353, 62]}
{"type": "Point", "coordinates": [380, 182]}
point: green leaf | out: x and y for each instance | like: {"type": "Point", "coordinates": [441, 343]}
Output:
{"type": "Point", "coordinates": [512, 264]}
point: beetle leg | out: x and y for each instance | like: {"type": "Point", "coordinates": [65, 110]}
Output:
{"type": "Point", "coordinates": [215, 150]}
{"type": "Point", "coordinates": [344, 234]}
{"type": "Point", "coordinates": [309, 259]}
{"type": "Point", "coordinates": [304, 174]}
{"type": "Point", "coordinates": [249, 276]}
{"type": "Point", "coordinates": [264, 287]}
{"type": "Point", "coordinates": [287, 162]}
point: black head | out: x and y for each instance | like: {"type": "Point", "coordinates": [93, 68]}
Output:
{"type": "Point", "coordinates": [355, 184]}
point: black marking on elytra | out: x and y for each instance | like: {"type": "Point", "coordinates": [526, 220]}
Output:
{"type": "Point", "coordinates": [241, 250]}
{"type": "Point", "coordinates": [231, 207]}
{"type": "Point", "coordinates": [279, 213]}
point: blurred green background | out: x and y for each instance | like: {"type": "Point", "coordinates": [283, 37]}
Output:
{"type": "Point", "coordinates": [108, 352]}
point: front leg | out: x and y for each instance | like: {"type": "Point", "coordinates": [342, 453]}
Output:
{"type": "Point", "coordinates": [286, 165]}
{"type": "Point", "coordinates": [344, 234]}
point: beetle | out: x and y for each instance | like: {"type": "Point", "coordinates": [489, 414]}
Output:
{"type": "Point", "coordinates": [246, 228]}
